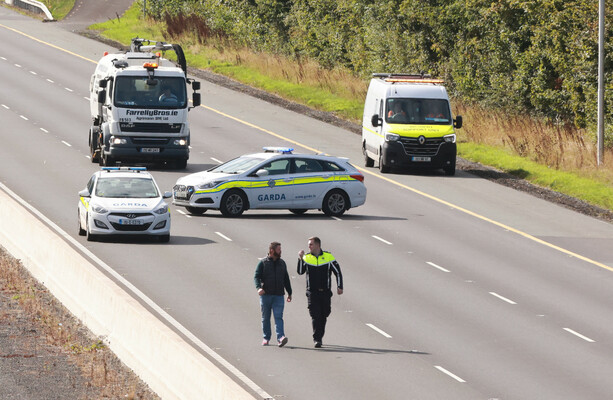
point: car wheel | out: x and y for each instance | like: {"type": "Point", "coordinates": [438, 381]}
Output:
{"type": "Point", "coordinates": [298, 211]}
{"type": "Point", "coordinates": [164, 238]}
{"type": "Point", "coordinates": [382, 167]}
{"type": "Point", "coordinates": [196, 210]}
{"type": "Point", "coordinates": [335, 203]}
{"type": "Point", "coordinates": [368, 162]}
{"type": "Point", "coordinates": [82, 231]}
{"type": "Point", "coordinates": [233, 203]}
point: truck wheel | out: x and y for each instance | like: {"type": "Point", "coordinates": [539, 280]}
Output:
{"type": "Point", "coordinates": [181, 164]}
{"type": "Point", "coordinates": [335, 203]}
{"type": "Point", "coordinates": [195, 210]}
{"type": "Point", "coordinates": [368, 162]}
{"type": "Point", "coordinates": [382, 167]}
{"type": "Point", "coordinates": [233, 203]}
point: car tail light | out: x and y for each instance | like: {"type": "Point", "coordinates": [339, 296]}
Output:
{"type": "Point", "coordinates": [358, 177]}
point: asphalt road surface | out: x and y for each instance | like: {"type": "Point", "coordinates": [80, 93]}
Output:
{"type": "Point", "coordinates": [455, 287]}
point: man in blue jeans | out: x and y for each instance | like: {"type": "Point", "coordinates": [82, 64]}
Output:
{"type": "Point", "coordinates": [271, 281]}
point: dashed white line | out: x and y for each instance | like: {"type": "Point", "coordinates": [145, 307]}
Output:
{"type": "Point", "coordinates": [3, 58]}
{"type": "Point", "coordinates": [382, 240]}
{"type": "Point", "coordinates": [18, 66]}
{"type": "Point", "coordinates": [437, 266]}
{"type": "Point", "coordinates": [5, 106]}
{"type": "Point", "coordinates": [50, 81]}
{"type": "Point", "coordinates": [336, 218]}
{"type": "Point", "coordinates": [86, 98]}
{"type": "Point", "coordinates": [69, 89]}
{"type": "Point", "coordinates": [443, 370]}
{"type": "Point", "coordinates": [379, 330]}
{"type": "Point", "coordinates": [223, 236]}
{"type": "Point", "coordinates": [66, 143]}
{"type": "Point", "coordinates": [587, 339]}
{"type": "Point", "coordinates": [44, 130]}
{"type": "Point", "coordinates": [184, 213]}
{"type": "Point", "coordinates": [24, 117]}
{"type": "Point", "coordinates": [33, 73]}
{"type": "Point", "coordinates": [216, 160]}
{"type": "Point", "coordinates": [502, 298]}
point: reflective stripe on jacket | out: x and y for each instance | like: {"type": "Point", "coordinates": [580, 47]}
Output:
{"type": "Point", "coordinates": [319, 271]}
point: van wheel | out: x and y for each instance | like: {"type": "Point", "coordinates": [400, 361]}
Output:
{"type": "Point", "coordinates": [382, 167]}
{"type": "Point", "coordinates": [233, 203]}
{"type": "Point", "coordinates": [450, 169]}
{"type": "Point", "coordinates": [335, 203]}
{"type": "Point", "coordinates": [196, 210]}
{"type": "Point", "coordinates": [368, 162]}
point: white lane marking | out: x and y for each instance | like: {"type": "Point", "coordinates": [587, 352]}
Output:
{"type": "Point", "coordinates": [587, 339]}
{"type": "Point", "coordinates": [18, 66]}
{"type": "Point", "coordinates": [382, 240]}
{"type": "Point", "coordinates": [223, 236]}
{"type": "Point", "coordinates": [437, 266]}
{"type": "Point", "coordinates": [502, 298]}
{"type": "Point", "coordinates": [443, 370]}
{"type": "Point", "coordinates": [379, 330]}
{"type": "Point", "coordinates": [66, 143]}
{"type": "Point", "coordinates": [50, 81]}
{"type": "Point", "coordinates": [216, 160]}
{"type": "Point", "coordinates": [337, 218]}
{"type": "Point", "coordinates": [44, 130]}
{"type": "Point", "coordinates": [129, 286]}
{"type": "Point", "coordinates": [184, 213]}
{"type": "Point", "coordinates": [69, 89]}
{"type": "Point", "coordinates": [86, 98]}
{"type": "Point", "coordinates": [33, 73]}
{"type": "Point", "coordinates": [3, 58]}
{"type": "Point", "coordinates": [5, 106]}
{"type": "Point", "coordinates": [24, 117]}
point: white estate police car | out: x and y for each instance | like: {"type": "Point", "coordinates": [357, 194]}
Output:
{"type": "Point", "coordinates": [274, 179]}
{"type": "Point", "coordinates": [123, 200]}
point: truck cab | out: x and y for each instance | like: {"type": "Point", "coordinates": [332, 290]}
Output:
{"type": "Point", "coordinates": [407, 122]}
{"type": "Point", "coordinates": [139, 107]}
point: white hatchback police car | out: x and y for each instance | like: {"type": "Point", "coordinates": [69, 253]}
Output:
{"type": "Point", "coordinates": [123, 200]}
{"type": "Point", "coordinates": [274, 179]}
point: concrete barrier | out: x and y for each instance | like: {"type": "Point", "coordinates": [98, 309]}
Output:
{"type": "Point", "coordinates": [167, 363]}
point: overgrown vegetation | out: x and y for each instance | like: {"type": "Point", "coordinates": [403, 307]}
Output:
{"type": "Point", "coordinates": [59, 8]}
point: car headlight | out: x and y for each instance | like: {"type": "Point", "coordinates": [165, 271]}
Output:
{"type": "Point", "coordinates": [162, 210]}
{"type": "Point", "coordinates": [210, 185]}
{"type": "Point", "coordinates": [118, 140]}
{"type": "Point", "coordinates": [391, 137]}
{"type": "Point", "coordinates": [449, 138]}
{"type": "Point", "coordinates": [98, 209]}
{"type": "Point", "coordinates": [180, 142]}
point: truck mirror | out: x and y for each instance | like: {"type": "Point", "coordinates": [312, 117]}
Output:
{"type": "Point", "coordinates": [196, 85]}
{"type": "Point", "coordinates": [457, 122]}
{"type": "Point", "coordinates": [102, 96]}
{"type": "Point", "coordinates": [196, 99]}
{"type": "Point", "coordinates": [102, 83]}
{"type": "Point", "coordinates": [375, 120]}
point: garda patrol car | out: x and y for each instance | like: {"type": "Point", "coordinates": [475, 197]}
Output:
{"type": "Point", "coordinates": [407, 123]}
{"type": "Point", "coordinates": [123, 200]}
{"type": "Point", "coordinates": [274, 179]}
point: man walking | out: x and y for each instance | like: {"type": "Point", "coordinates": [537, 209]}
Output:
{"type": "Point", "coordinates": [319, 266]}
{"type": "Point", "coordinates": [271, 281]}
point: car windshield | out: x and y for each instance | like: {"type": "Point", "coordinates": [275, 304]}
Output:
{"type": "Point", "coordinates": [126, 187]}
{"type": "Point", "coordinates": [141, 92]}
{"type": "Point", "coordinates": [238, 165]}
{"type": "Point", "coordinates": [418, 111]}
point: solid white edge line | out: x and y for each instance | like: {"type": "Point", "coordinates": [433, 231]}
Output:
{"type": "Point", "coordinates": [223, 236]}
{"type": "Point", "coordinates": [587, 339]}
{"type": "Point", "coordinates": [66, 143]}
{"type": "Point", "coordinates": [437, 266]}
{"type": "Point", "coordinates": [379, 330]}
{"type": "Point", "coordinates": [381, 239]}
{"type": "Point", "coordinates": [443, 370]}
{"type": "Point", "coordinates": [502, 298]}
{"type": "Point", "coordinates": [129, 286]}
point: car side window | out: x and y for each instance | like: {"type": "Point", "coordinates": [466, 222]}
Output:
{"type": "Point", "coordinates": [90, 184]}
{"type": "Point", "coordinates": [306, 165]}
{"type": "Point", "coordinates": [277, 167]}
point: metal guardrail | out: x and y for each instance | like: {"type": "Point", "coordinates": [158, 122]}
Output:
{"type": "Point", "coordinates": [34, 6]}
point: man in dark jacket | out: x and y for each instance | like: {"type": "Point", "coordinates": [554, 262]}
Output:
{"type": "Point", "coordinates": [271, 281]}
{"type": "Point", "coordinates": [319, 266]}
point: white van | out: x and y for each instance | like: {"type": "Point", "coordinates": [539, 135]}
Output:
{"type": "Point", "coordinates": [408, 123]}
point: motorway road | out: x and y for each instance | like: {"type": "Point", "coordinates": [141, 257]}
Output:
{"type": "Point", "coordinates": [455, 287]}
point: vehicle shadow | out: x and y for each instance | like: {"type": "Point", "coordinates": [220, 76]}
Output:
{"type": "Point", "coordinates": [332, 348]}
{"type": "Point", "coordinates": [175, 240]}
{"type": "Point", "coordinates": [314, 216]}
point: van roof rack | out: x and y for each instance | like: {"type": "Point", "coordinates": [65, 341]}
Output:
{"type": "Point", "coordinates": [408, 78]}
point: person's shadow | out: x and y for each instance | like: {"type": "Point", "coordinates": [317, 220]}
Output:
{"type": "Point", "coordinates": [333, 348]}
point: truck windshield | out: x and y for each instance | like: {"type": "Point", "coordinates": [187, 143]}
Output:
{"type": "Point", "coordinates": [418, 111]}
{"type": "Point", "coordinates": [139, 92]}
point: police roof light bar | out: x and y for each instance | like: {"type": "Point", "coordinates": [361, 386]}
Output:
{"type": "Point", "coordinates": [282, 150]}
{"type": "Point", "coordinates": [137, 169]}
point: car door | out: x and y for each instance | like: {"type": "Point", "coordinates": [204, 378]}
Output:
{"type": "Point", "coordinates": [312, 179]}
{"type": "Point", "coordinates": [271, 186]}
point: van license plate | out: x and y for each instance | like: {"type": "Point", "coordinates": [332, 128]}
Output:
{"type": "Point", "coordinates": [421, 159]}
{"type": "Point", "coordinates": [150, 150]}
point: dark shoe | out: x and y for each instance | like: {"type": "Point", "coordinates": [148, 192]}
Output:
{"type": "Point", "coordinates": [282, 341]}
{"type": "Point", "coordinates": [317, 345]}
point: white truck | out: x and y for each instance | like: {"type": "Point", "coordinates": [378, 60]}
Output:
{"type": "Point", "coordinates": [139, 106]}
{"type": "Point", "coordinates": [407, 122]}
